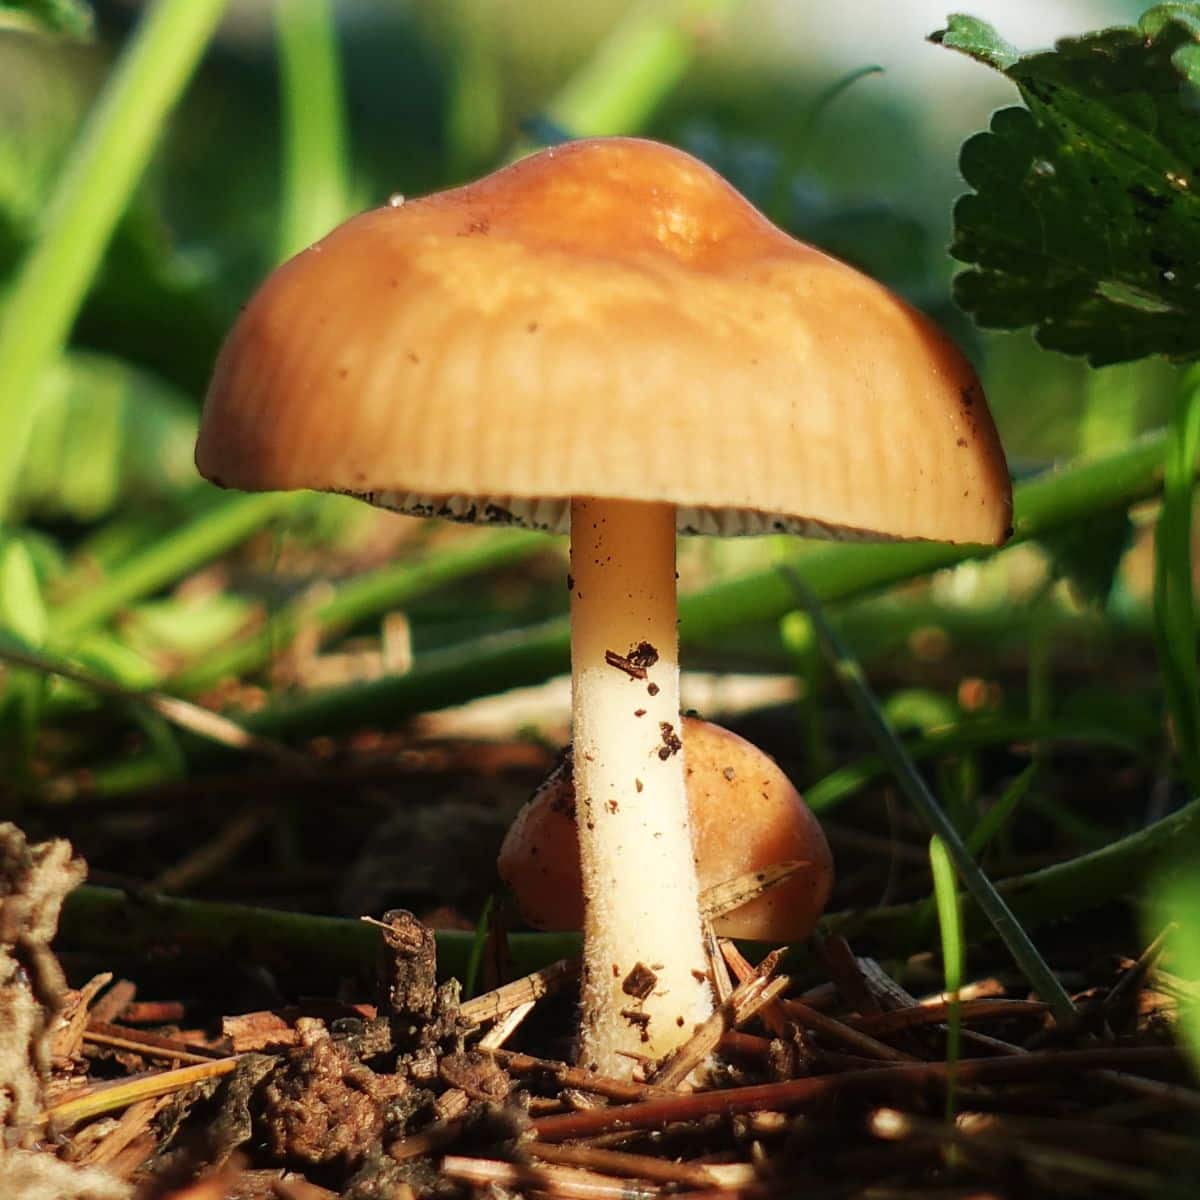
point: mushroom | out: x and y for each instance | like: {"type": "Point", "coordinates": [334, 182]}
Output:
{"type": "Point", "coordinates": [745, 815]}
{"type": "Point", "coordinates": [607, 337]}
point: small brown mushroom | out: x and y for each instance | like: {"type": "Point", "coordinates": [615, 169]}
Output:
{"type": "Point", "coordinates": [745, 813]}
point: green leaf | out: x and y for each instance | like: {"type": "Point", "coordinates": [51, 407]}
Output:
{"type": "Point", "coordinates": [1174, 904]}
{"type": "Point", "coordinates": [1088, 555]}
{"type": "Point", "coordinates": [60, 16]}
{"type": "Point", "coordinates": [23, 618]}
{"type": "Point", "coordinates": [1175, 625]}
{"type": "Point", "coordinates": [93, 188]}
{"type": "Point", "coordinates": [1085, 216]}
{"type": "Point", "coordinates": [978, 39]}
{"type": "Point", "coordinates": [22, 611]}
{"type": "Point", "coordinates": [104, 433]}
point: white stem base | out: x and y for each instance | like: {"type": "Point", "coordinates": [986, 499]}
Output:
{"type": "Point", "coordinates": [644, 976]}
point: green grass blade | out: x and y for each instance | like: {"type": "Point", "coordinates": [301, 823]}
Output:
{"type": "Point", "coordinates": [836, 571]}
{"type": "Point", "coordinates": [1174, 903]}
{"type": "Point", "coordinates": [1054, 893]}
{"type": "Point", "coordinates": [973, 734]}
{"type": "Point", "coordinates": [215, 530]}
{"type": "Point", "coordinates": [1174, 602]}
{"type": "Point", "coordinates": [478, 944]}
{"type": "Point", "coordinates": [999, 815]}
{"type": "Point", "coordinates": [945, 896]}
{"type": "Point", "coordinates": [475, 116]}
{"type": "Point", "coordinates": [796, 637]}
{"type": "Point", "coordinates": [316, 189]}
{"type": "Point", "coordinates": [106, 163]}
{"type": "Point", "coordinates": [112, 921]}
{"type": "Point", "coordinates": [1031, 963]}
{"type": "Point", "coordinates": [639, 63]}
{"type": "Point", "coordinates": [161, 740]}
{"type": "Point", "coordinates": [496, 663]}
{"type": "Point", "coordinates": [360, 598]}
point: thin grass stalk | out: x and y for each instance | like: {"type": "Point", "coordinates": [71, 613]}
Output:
{"type": "Point", "coordinates": [107, 160]}
{"type": "Point", "coordinates": [219, 528]}
{"type": "Point", "coordinates": [359, 599]}
{"type": "Point", "coordinates": [975, 733]}
{"type": "Point", "coordinates": [119, 923]}
{"type": "Point", "coordinates": [470, 979]}
{"type": "Point", "coordinates": [111, 921]}
{"type": "Point", "coordinates": [1054, 893]}
{"type": "Point", "coordinates": [635, 67]}
{"type": "Point", "coordinates": [1000, 814]}
{"type": "Point", "coordinates": [1174, 601]}
{"type": "Point", "coordinates": [496, 663]}
{"type": "Point", "coordinates": [1043, 980]}
{"type": "Point", "coordinates": [316, 188]}
{"type": "Point", "coordinates": [949, 913]}
{"type": "Point", "coordinates": [475, 117]}
{"type": "Point", "coordinates": [836, 572]}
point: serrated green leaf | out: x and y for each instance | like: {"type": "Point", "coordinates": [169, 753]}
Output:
{"type": "Point", "coordinates": [977, 38]}
{"type": "Point", "coordinates": [1085, 216]}
{"type": "Point", "coordinates": [1184, 12]}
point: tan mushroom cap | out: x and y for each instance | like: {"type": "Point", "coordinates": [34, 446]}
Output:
{"type": "Point", "coordinates": [745, 813]}
{"type": "Point", "coordinates": [607, 318]}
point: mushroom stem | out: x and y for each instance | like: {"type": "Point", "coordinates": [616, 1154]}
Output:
{"type": "Point", "coordinates": [644, 981]}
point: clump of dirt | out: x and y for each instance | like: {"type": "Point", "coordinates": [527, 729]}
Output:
{"type": "Point", "coordinates": [322, 1104]}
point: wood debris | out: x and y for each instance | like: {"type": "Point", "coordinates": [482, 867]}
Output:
{"type": "Point", "coordinates": [405, 1092]}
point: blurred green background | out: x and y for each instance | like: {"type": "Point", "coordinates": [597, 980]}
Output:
{"type": "Point", "coordinates": [117, 564]}
{"type": "Point", "coordinates": [439, 91]}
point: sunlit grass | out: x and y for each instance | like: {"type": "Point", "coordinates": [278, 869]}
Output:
{"type": "Point", "coordinates": [92, 192]}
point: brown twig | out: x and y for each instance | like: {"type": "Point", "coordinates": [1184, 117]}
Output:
{"type": "Point", "coordinates": [1173, 1095]}
{"type": "Point", "coordinates": [797, 1093]}
{"type": "Point", "coordinates": [618, 1162]}
{"type": "Point", "coordinates": [723, 898]}
{"type": "Point", "coordinates": [886, 996]}
{"type": "Point", "coordinates": [133, 1123]}
{"type": "Point", "coordinates": [902, 1019]}
{"type": "Point", "coordinates": [564, 1075]}
{"type": "Point", "coordinates": [148, 1045]}
{"type": "Point", "coordinates": [494, 1004]}
{"type": "Point", "coordinates": [1131, 981]}
{"type": "Point", "coordinates": [1055, 1160]}
{"type": "Point", "coordinates": [745, 1001]}
{"type": "Point", "coordinates": [714, 949]}
{"type": "Point", "coordinates": [201, 721]}
{"type": "Point", "coordinates": [568, 1182]}
{"type": "Point", "coordinates": [210, 856]}
{"type": "Point", "coordinates": [1113, 1141]}
{"type": "Point", "coordinates": [770, 1014]}
{"type": "Point", "coordinates": [775, 1017]}
{"type": "Point", "coordinates": [66, 1039]}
